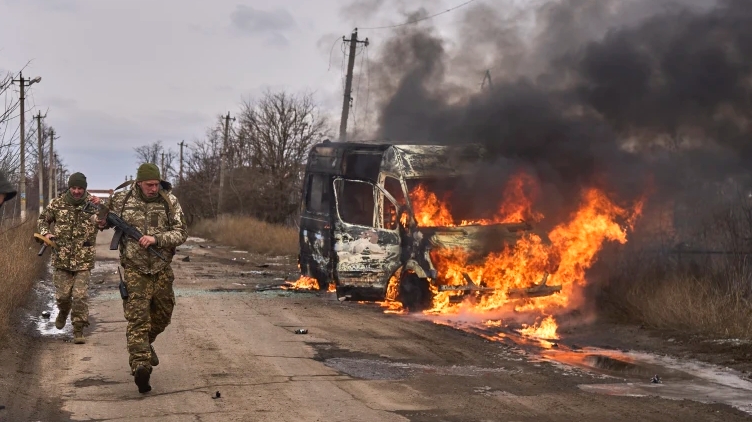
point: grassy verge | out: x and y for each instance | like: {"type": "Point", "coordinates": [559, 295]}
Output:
{"type": "Point", "coordinates": [250, 234]}
{"type": "Point", "coordinates": [19, 267]}
{"type": "Point", "coordinates": [694, 301]}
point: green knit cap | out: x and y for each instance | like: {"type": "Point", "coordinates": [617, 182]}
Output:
{"type": "Point", "coordinates": [78, 180]}
{"type": "Point", "coordinates": [147, 171]}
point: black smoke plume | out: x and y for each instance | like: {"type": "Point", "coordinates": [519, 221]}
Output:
{"type": "Point", "coordinates": [614, 94]}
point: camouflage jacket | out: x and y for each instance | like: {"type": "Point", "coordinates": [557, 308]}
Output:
{"type": "Point", "coordinates": [75, 234]}
{"type": "Point", "coordinates": [163, 219]}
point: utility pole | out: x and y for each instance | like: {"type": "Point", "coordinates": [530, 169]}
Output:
{"type": "Point", "coordinates": [40, 161]}
{"type": "Point", "coordinates": [348, 82]}
{"type": "Point", "coordinates": [23, 84]}
{"type": "Point", "coordinates": [51, 192]}
{"type": "Point", "coordinates": [487, 77]}
{"type": "Point", "coordinates": [163, 170]}
{"type": "Point", "coordinates": [180, 178]}
{"type": "Point", "coordinates": [57, 175]}
{"type": "Point", "coordinates": [223, 162]}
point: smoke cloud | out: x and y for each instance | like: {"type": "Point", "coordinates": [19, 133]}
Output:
{"type": "Point", "coordinates": [615, 94]}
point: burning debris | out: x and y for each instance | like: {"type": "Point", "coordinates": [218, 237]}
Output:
{"type": "Point", "coordinates": [303, 283]}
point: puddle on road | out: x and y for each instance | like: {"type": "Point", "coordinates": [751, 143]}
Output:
{"type": "Point", "coordinates": [45, 292]}
{"type": "Point", "coordinates": [632, 372]}
{"type": "Point", "coordinates": [45, 297]}
{"type": "Point", "coordinates": [676, 379]}
{"type": "Point", "coordinates": [386, 370]}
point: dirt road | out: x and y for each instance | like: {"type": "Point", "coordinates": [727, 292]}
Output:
{"type": "Point", "coordinates": [355, 362]}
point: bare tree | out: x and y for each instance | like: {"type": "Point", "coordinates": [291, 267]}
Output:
{"type": "Point", "coordinates": [266, 153]}
{"type": "Point", "coordinates": [156, 153]}
{"type": "Point", "coordinates": [273, 139]}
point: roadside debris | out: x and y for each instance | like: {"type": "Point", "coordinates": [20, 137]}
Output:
{"type": "Point", "coordinates": [217, 395]}
{"type": "Point", "coordinates": [187, 259]}
{"type": "Point", "coordinates": [46, 314]}
{"type": "Point", "coordinates": [254, 273]}
{"type": "Point", "coordinates": [656, 379]}
{"type": "Point", "coordinates": [301, 331]}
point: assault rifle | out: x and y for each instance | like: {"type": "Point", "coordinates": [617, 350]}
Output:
{"type": "Point", "coordinates": [45, 243]}
{"type": "Point", "coordinates": [121, 228]}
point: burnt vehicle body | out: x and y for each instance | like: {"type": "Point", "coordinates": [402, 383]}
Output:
{"type": "Point", "coordinates": [358, 229]}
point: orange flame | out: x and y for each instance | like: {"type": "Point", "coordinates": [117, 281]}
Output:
{"type": "Point", "coordinates": [520, 192]}
{"type": "Point", "coordinates": [332, 288]}
{"type": "Point", "coordinates": [392, 305]}
{"type": "Point", "coordinates": [546, 330]}
{"type": "Point", "coordinates": [303, 283]}
{"type": "Point", "coordinates": [573, 248]}
{"type": "Point", "coordinates": [428, 210]}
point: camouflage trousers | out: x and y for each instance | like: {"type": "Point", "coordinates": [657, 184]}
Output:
{"type": "Point", "coordinates": [72, 294]}
{"type": "Point", "coordinates": [148, 310]}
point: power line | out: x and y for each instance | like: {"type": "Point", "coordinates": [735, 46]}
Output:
{"type": "Point", "coordinates": [422, 19]}
{"type": "Point", "coordinates": [330, 53]}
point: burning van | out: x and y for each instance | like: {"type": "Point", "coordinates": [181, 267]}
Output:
{"type": "Point", "coordinates": [368, 228]}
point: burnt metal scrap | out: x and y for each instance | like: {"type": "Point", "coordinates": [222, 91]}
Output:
{"type": "Point", "coordinates": [358, 229]}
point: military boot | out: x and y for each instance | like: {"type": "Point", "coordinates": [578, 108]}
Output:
{"type": "Point", "coordinates": [60, 320]}
{"type": "Point", "coordinates": [141, 376]}
{"type": "Point", "coordinates": [154, 359]}
{"type": "Point", "coordinates": [78, 333]}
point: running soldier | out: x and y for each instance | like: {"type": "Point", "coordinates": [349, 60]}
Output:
{"type": "Point", "coordinates": [149, 206]}
{"type": "Point", "coordinates": [75, 233]}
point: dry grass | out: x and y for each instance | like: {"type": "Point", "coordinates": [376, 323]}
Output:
{"type": "Point", "coordinates": [250, 234]}
{"type": "Point", "coordinates": [19, 267]}
{"type": "Point", "coordinates": [695, 300]}
{"type": "Point", "coordinates": [692, 305]}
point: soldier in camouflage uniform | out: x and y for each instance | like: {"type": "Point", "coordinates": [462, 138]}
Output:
{"type": "Point", "coordinates": [7, 192]}
{"type": "Point", "coordinates": [75, 233]}
{"type": "Point", "coordinates": [156, 212]}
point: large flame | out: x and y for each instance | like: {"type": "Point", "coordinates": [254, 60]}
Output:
{"type": "Point", "coordinates": [573, 248]}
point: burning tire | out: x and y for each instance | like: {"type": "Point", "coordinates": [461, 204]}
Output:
{"type": "Point", "coordinates": [414, 292]}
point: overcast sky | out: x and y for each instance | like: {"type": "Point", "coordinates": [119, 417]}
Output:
{"type": "Point", "coordinates": [117, 74]}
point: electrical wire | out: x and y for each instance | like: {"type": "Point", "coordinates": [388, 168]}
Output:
{"type": "Point", "coordinates": [331, 50]}
{"type": "Point", "coordinates": [423, 18]}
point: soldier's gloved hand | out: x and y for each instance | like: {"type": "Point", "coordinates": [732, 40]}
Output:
{"type": "Point", "coordinates": [147, 241]}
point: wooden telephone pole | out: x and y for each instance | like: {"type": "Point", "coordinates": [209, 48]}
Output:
{"type": "Point", "coordinates": [57, 177]}
{"type": "Point", "coordinates": [40, 163]}
{"type": "Point", "coordinates": [348, 83]}
{"type": "Point", "coordinates": [223, 163]}
{"type": "Point", "coordinates": [23, 84]}
{"type": "Point", "coordinates": [487, 78]}
{"type": "Point", "coordinates": [52, 186]}
{"type": "Point", "coordinates": [180, 176]}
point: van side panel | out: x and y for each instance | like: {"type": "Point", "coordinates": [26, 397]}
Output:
{"type": "Point", "coordinates": [315, 228]}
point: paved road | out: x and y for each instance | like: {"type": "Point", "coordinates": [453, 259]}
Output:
{"type": "Point", "coordinates": [355, 363]}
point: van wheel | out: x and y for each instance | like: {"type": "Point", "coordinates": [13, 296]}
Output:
{"type": "Point", "coordinates": [414, 293]}
{"type": "Point", "coordinates": [323, 285]}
